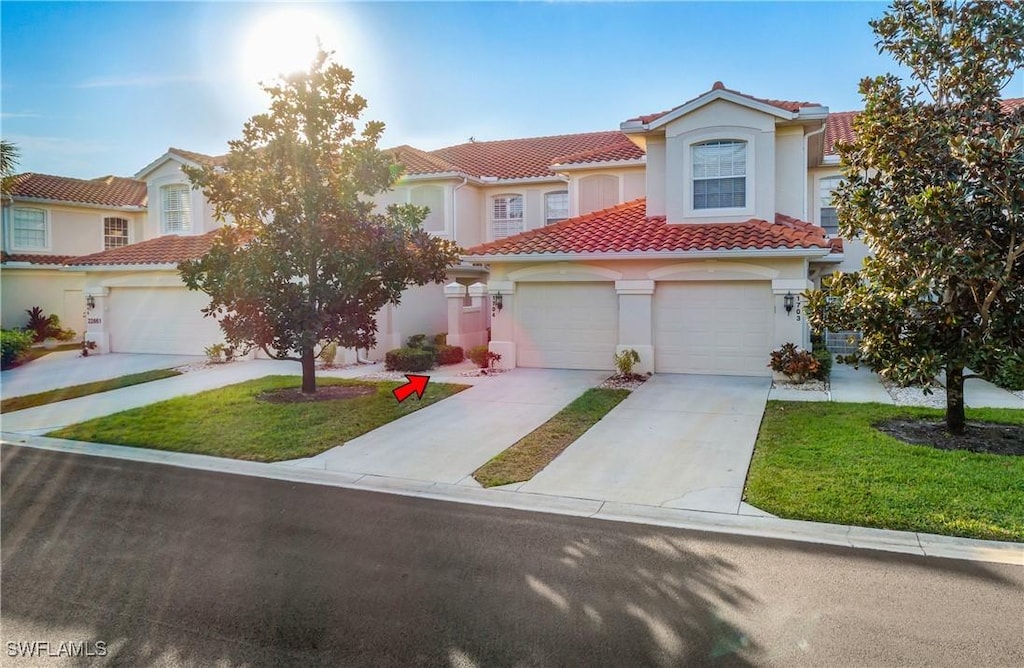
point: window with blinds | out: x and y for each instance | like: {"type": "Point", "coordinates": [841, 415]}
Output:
{"type": "Point", "coordinates": [115, 233]}
{"type": "Point", "coordinates": [177, 208]}
{"type": "Point", "coordinates": [556, 206]}
{"type": "Point", "coordinates": [506, 216]}
{"type": "Point", "coordinates": [720, 174]}
{"type": "Point", "coordinates": [827, 217]}
{"type": "Point", "coordinates": [28, 227]}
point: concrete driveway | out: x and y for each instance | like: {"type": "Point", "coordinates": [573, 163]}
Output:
{"type": "Point", "coordinates": [68, 367]}
{"type": "Point", "coordinates": [446, 442]}
{"type": "Point", "coordinates": [679, 441]}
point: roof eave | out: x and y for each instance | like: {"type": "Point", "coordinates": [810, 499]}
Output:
{"type": "Point", "coordinates": [604, 164]}
{"type": "Point", "coordinates": [435, 176]}
{"type": "Point", "coordinates": [168, 155]}
{"type": "Point", "coordinates": [830, 159]}
{"type": "Point", "coordinates": [813, 252]}
{"type": "Point", "coordinates": [143, 266]}
{"type": "Point", "coordinates": [85, 205]}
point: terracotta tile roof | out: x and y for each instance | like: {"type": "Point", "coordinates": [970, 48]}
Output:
{"type": "Point", "coordinates": [168, 249]}
{"type": "Point", "coordinates": [6, 257]}
{"type": "Point", "coordinates": [839, 127]}
{"type": "Point", "coordinates": [627, 229]}
{"type": "Point", "coordinates": [524, 158]}
{"type": "Point", "coordinates": [416, 161]}
{"type": "Point", "coordinates": [104, 191]}
{"type": "Point", "coordinates": [786, 105]}
{"type": "Point", "coordinates": [625, 150]}
{"type": "Point", "coordinates": [200, 158]}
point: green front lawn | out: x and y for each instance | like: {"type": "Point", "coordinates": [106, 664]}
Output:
{"type": "Point", "coordinates": [525, 458]}
{"type": "Point", "coordinates": [231, 422]}
{"type": "Point", "coordinates": [825, 462]}
{"type": "Point", "coordinates": [83, 390]}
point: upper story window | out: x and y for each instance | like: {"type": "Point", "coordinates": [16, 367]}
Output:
{"type": "Point", "coordinates": [827, 217]}
{"type": "Point", "coordinates": [431, 197]}
{"type": "Point", "coordinates": [115, 233]}
{"type": "Point", "coordinates": [29, 229]}
{"type": "Point", "coordinates": [506, 215]}
{"type": "Point", "coordinates": [720, 174]}
{"type": "Point", "coordinates": [556, 206]}
{"type": "Point", "coordinates": [177, 208]}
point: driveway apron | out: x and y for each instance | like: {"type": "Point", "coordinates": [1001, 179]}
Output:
{"type": "Point", "coordinates": [679, 441]}
{"type": "Point", "coordinates": [449, 440]}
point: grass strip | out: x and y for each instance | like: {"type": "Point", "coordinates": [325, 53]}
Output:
{"type": "Point", "coordinates": [83, 390]}
{"type": "Point", "coordinates": [232, 422]}
{"type": "Point", "coordinates": [825, 462]}
{"type": "Point", "coordinates": [533, 452]}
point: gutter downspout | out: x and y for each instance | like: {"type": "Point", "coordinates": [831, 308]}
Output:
{"type": "Point", "coordinates": [807, 143]}
{"type": "Point", "coordinates": [455, 209]}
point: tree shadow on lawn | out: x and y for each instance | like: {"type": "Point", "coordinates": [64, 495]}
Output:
{"type": "Point", "coordinates": [170, 565]}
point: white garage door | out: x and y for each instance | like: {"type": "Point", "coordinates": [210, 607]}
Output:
{"type": "Point", "coordinates": [567, 325]}
{"type": "Point", "coordinates": [160, 320]}
{"type": "Point", "coordinates": [713, 328]}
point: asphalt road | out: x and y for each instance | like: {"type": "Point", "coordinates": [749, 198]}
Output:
{"type": "Point", "coordinates": [170, 566]}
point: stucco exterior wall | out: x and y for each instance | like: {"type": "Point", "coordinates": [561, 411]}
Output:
{"type": "Point", "coordinates": [790, 171]}
{"type": "Point", "coordinates": [720, 120]}
{"type": "Point", "coordinates": [72, 230]}
{"type": "Point", "coordinates": [169, 173]}
{"type": "Point", "coordinates": [52, 290]}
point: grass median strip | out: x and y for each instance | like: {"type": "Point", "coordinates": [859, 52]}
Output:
{"type": "Point", "coordinates": [235, 421]}
{"type": "Point", "coordinates": [825, 462]}
{"type": "Point", "coordinates": [533, 452]}
{"type": "Point", "coordinates": [83, 390]}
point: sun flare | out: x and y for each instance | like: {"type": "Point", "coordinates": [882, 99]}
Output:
{"type": "Point", "coordinates": [282, 42]}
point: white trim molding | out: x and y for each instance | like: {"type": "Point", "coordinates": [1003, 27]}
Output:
{"type": "Point", "coordinates": [563, 271]}
{"type": "Point", "coordinates": [681, 270]}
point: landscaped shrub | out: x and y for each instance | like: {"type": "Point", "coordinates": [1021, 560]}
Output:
{"type": "Point", "coordinates": [794, 362]}
{"type": "Point", "coordinates": [416, 341]}
{"type": "Point", "coordinates": [409, 359]}
{"type": "Point", "coordinates": [13, 343]}
{"type": "Point", "coordinates": [482, 357]}
{"type": "Point", "coordinates": [44, 326]}
{"type": "Point", "coordinates": [215, 353]}
{"type": "Point", "coordinates": [1005, 369]}
{"type": "Point", "coordinates": [449, 354]}
{"type": "Point", "coordinates": [625, 361]}
{"type": "Point", "coordinates": [824, 358]}
{"type": "Point", "coordinates": [441, 339]}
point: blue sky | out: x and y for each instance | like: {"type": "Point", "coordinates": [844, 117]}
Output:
{"type": "Point", "coordinates": [95, 88]}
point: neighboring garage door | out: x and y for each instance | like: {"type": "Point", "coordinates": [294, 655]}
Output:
{"type": "Point", "coordinates": [567, 325]}
{"type": "Point", "coordinates": [160, 320]}
{"type": "Point", "coordinates": [713, 328]}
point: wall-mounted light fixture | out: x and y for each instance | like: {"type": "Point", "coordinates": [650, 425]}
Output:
{"type": "Point", "coordinates": [787, 301]}
{"type": "Point", "coordinates": [90, 302]}
{"type": "Point", "coordinates": [497, 301]}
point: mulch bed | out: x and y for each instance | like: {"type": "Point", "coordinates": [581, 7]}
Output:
{"type": "Point", "coordinates": [986, 437]}
{"type": "Point", "coordinates": [294, 395]}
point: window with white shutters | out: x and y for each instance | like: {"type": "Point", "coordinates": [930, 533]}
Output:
{"type": "Point", "coordinates": [506, 216]}
{"type": "Point", "coordinates": [556, 206]}
{"type": "Point", "coordinates": [827, 217]}
{"type": "Point", "coordinates": [29, 229]}
{"type": "Point", "coordinates": [177, 209]}
{"type": "Point", "coordinates": [720, 174]}
{"type": "Point", "coordinates": [115, 233]}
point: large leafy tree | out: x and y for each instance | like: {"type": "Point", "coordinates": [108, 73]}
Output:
{"type": "Point", "coordinates": [305, 258]}
{"type": "Point", "coordinates": [934, 183]}
{"type": "Point", "coordinates": [9, 155]}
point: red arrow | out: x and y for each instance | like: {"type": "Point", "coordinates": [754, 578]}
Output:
{"type": "Point", "coordinates": [417, 385]}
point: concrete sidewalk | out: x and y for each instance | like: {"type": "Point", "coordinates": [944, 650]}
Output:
{"type": "Point", "coordinates": [678, 441]}
{"type": "Point", "coordinates": [67, 367]}
{"type": "Point", "coordinates": [449, 440]}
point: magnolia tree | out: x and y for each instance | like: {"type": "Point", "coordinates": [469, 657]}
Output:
{"type": "Point", "coordinates": [306, 259]}
{"type": "Point", "coordinates": [934, 184]}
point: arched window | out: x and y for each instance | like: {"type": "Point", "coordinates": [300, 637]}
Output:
{"type": "Point", "coordinates": [556, 206]}
{"type": "Point", "coordinates": [115, 232]}
{"type": "Point", "coordinates": [176, 214]}
{"type": "Point", "coordinates": [720, 174]}
{"type": "Point", "coordinates": [431, 197]}
{"type": "Point", "coordinates": [506, 216]}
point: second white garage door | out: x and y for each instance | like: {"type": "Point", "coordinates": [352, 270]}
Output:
{"type": "Point", "coordinates": [567, 325]}
{"type": "Point", "coordinates": [713, 328]}
{"type": "Point", "coordinates": [161, 321]}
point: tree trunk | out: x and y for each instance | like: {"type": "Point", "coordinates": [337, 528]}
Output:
{"type": "Point", "coordinates": [955, 420]}
{"type": "Point", "coordinates": [308, 371]}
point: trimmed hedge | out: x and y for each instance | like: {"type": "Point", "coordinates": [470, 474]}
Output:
{"type": "Point", "coordinates": [449, 354]}
{"type": "Point", "coordinates": [12, 344]}
{"type": "Point", "coordinates": [409, 359]}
